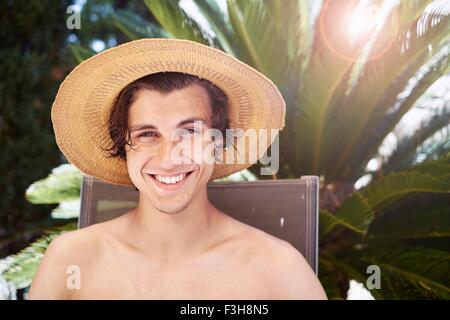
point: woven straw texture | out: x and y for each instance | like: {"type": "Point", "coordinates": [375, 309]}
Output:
{"type": "Point", "coordinates": [84, 100]}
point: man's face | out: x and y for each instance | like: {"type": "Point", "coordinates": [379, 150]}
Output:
{"type": "Point", "coordinates": [159, 124]}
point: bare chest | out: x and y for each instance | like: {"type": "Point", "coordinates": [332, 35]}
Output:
{"type": "Point", "coordinates": [123, 276]}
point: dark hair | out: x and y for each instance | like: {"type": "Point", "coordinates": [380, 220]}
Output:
{"type": "Point", "coordinates": [164, 82]}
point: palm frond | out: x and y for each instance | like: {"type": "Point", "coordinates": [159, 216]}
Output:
{"type": "Point", "coordinates": [380, 193]}
{"type": "Point", "coordinates": [175, 21]}
{"type": "Point", "coordinates": [437, 168]}
{"type": "Point", "coordinates": [413, 225]}
{"type": "Point", "coordinates": [219, 23]}
{"type": "Point", "coordinates": [308, 15]}
{"type": "Point", "coordinates": [353, 272]}
{"type": "Point", "coordinates": [80, 53]}
{"type": "Point", "coordinates": [388, 8]}
{"type": "Point", "coordinates": [296, 20]}
{"type": "Point", "coordinates": [358, 210]}
{"type": "Point", "coordinates": [414, 271]}
{"type": "Point", "coordinates": [254, 28]}
{"type": "Point", "coordinates": [22, 268]}
{"type": "Point", "coordinates": [327, 222]}
{"type": "Point", "coordinates": [404, 57]}
{"type": "Point", "coordinates": [404, 155]}
{"type": "Point", "coordinates": [327, 277]}
{"type": "Point", "coordinates": [385, 123]}
{"type": "Point", "coordinates": [134, 27]}
{"type": "Point", "coordinates": [318, 91]}
{"type": "Point", "coordinates": [436, 149]}
{"type": "Point", "coordinates": [403, 13]}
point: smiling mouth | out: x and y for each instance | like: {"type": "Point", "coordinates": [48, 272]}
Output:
{"type": "Point", "coordinates": [170, 183]}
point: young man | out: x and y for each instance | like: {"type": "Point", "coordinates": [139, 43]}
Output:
{"type": "Point", "coordinates": [139, 102]}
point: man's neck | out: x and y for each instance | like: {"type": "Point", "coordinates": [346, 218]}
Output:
{"type": "Point", "coordinates": [171, 237]}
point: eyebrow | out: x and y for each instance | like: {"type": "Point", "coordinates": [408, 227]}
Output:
{"type": "Point", "coordinates": [138, 127]}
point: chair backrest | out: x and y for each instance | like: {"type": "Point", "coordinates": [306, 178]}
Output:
{"type": "Point", "coordinates": [287, 209]}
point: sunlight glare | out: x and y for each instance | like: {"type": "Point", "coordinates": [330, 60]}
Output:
{"type": "Point", "coordinates": [363, 20]}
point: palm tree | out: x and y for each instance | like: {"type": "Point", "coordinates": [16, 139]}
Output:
{"type": "Point", "coordinates": [349, 72]}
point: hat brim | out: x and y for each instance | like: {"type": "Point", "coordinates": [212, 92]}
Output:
{"type": "Point", "coordinates": [84, 100]}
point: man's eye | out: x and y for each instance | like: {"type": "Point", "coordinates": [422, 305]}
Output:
{"type": "Point", "coordinates": [191, 130]}
{"type": "Point", "coordinates": [147, 134]}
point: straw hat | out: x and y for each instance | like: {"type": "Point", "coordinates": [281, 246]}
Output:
{"type": "Point", "coordinates": [84, 100]}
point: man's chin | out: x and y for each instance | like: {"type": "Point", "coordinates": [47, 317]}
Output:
{"type": "Point", "coordinates": [168, 202]}
{"type": "Point", "coordinates": [171, 209]}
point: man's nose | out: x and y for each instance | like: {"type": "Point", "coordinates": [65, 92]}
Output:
{"type": "Point", "coordinates": [165, 156]}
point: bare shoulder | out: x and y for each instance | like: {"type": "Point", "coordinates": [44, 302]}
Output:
{"type": "Point", "coordinates": [291, 275]}
{"type": "Point", "coordinates": [67, 253]}
{"type": "Point", "coordinates": [286, 273]}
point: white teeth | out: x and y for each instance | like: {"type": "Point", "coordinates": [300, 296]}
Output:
{"type": "Point", "coordinates": [170, 180]}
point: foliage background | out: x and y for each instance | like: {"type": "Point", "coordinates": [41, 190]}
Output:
{"type": "Point", "coordinates": [33, 35]}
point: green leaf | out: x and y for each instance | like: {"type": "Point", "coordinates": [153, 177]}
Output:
{"type": "Point", "coordinates": [384, 79]}
{"type": "Point", "coordinates": [219, 23]}
{"type": "Point", "coordinates": [388, 119]}
{"type": "Point", "coordinates": [352, 272]}
{"type": "Point", "coordinates": [175, 21]}
{"type": "Point", "coordinates": [356, 213]}
{"type": "Point", "coordinates": [404, 154]}
{"type": "Point", "coordinates": [67, 209]}
{"type": "Point", "coordinates": [431, 223]}
{"type": "Point", "coordinates": [403, 12]}
{"type": "Point", "coordinates": [327, 277]}
{"type": "Point", "coordinates": [413, 272]}
{"type": "Point", "coordinates": [436, 168]}
{"type": "Point", "coordinates": [387, 9]}
{"type": "Point", "coordinates": [381, 193]}
{"type": "Point", "coordinates": [327, 222]}
{"type": "Point", "coordinates": [358, 210]}
{"type": "Point", "coordinates": [134, 27]}
{"type": "Point", "coordinates": [23, 267]}
{"type": "Point", "coordinates": [248, 19]}
{"type": "Point", "coordinates": [64, 183]}
{"type": "Point", "coordinates": [295, 20]}
{"type": "Point", "coordinates": [80, 53]}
